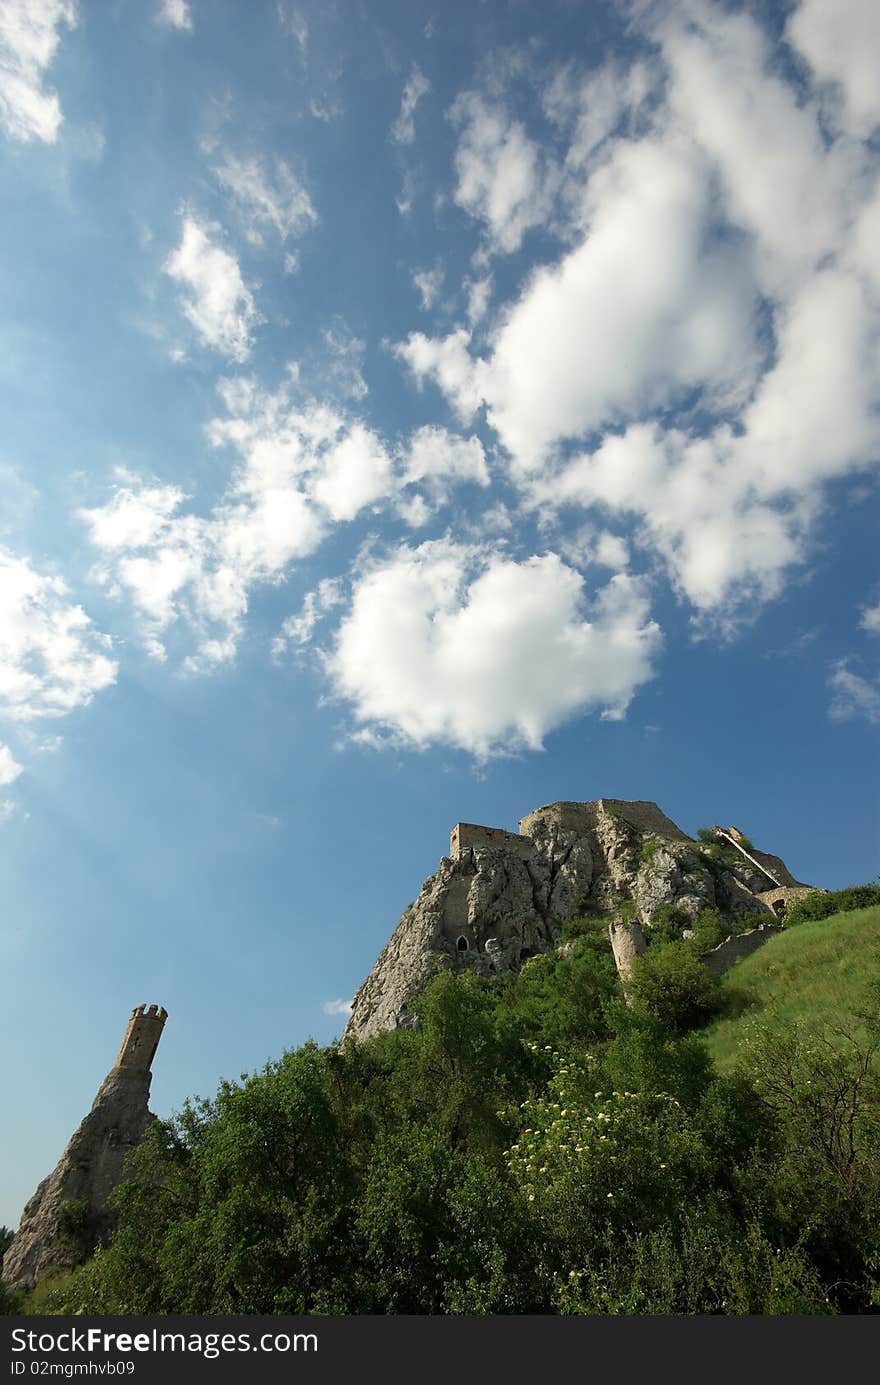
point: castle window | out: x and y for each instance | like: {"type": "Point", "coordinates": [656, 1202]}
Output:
{"type": "Point", "coordinates": [462, 944]}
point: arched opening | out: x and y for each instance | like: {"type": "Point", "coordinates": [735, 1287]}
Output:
{"type": "Point", "coordinates": [462, 943]}
{"type": "Point", "coordinates": [778, 907]}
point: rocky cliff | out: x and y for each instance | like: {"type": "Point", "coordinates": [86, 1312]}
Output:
{"type": "Point", "coordinates": [501, 897]}
{"type": "Point", "coordinates": [68, 1211]}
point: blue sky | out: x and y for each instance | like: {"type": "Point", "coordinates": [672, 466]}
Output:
{"type": "Point", "coordinates": [410, 413]}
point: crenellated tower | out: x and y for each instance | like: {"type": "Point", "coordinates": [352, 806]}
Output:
{"type": "Point", "coordinates": [141, 1038]}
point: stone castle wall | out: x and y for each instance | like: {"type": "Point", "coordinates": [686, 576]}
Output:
{"type": "Point", "coordinates": [468, 834]}
{"type": "Point", "coordinates": [741, 945]}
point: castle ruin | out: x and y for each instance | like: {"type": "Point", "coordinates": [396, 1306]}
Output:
{"type": "Point", "coordinates": [91, 1165]}
{"type": "Point", "coordinates": [502, 897]}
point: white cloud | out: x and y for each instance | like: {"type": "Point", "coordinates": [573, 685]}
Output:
{"type": "Point", "coordinates": [354, 473]}
{"type": "Point", "coordinates": [612, 551]}
{"type": "Point", "coordinates": [403, 131]}
{"type": "Point", "coordinates": [870, 620]}
{"type": "Point", "coordinates": [429, 282]}
{"type": "Point", "coordinates": [852, 696]}
{"type": "Point", "coordinates": [337, 1007]}
{"type": "Point", "coordinates": [218, 304]}
{"type": "Point", "coordinates": [590, 108]}
{"type": "Point", "coordinates": [841, 42]}
{"type": "Point", "coordinates": [10, 769]}
{"type": "Point", "coordinates": [641, 312]}
{"type": "Point", "coordinates": [302, 467]}
{"type": "Point", "coordinates": [456, 644]}
{"type": "Point", "coordinates": [297, 631]}
{"type": "Point", "coordinates": [504, 177]}
{"type": "Point", "coordinates": [29, 37]}
{"type": "Point", "coordinates": [175, 13]}
{"type": "Point", "coordinates": [703, 355]}
{"type": "Point", "coordinates": [449, 363]}
{"type": "Point", "coordinates": [277, 200]}
{"type": "Point", "coordinates": [437, 460]}
{"type": "Point", "coordinates": [52, 659]}
{"type": "Point", "coordinates": [779, 182]}
{"type": "Point", "coordinates": [479, 294]}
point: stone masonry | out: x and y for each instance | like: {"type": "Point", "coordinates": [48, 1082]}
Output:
{"type": "Point", "coordinates": [500, 897]}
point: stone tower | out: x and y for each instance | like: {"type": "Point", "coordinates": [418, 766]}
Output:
{"type": "Point", "coordinates": [141, 1037]}
{"type": "Point", "coordinates": [91, 1165]}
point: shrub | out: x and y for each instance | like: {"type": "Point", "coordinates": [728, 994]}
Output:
{"type": "Point", "coordinates": [77, 1225]}
{"type": "Point", "coordinates": [674, 986]}
{"type": "Point", "coordinates": [821, 906]}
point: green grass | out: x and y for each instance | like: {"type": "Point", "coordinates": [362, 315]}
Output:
{"type": "Point", "coordinates": [817, 972]}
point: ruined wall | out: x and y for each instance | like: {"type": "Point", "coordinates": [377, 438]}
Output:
{"type": "Point", "coordinates": [468, 834]}
{"type": "Point", "coordinates": [742, 945]}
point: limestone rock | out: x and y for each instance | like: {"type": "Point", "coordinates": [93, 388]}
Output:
{"type": "Point", "coordinates": [501, 897]}
{"type": "Point", "coordinates": [91, 1165]}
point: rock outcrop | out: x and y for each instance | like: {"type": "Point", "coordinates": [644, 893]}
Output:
{"type": "Point", "coordinates": [68, 1211]}
{"type": "Point", "coordinates": [501, 897]}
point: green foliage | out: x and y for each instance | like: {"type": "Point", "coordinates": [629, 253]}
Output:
{"type": "Point", "coordinates": [645, 1056]}
{"type": "Point", "coordinates": [706, 836]}
{"type": "Point", "coordinates": [817, 972]}
{"type": "Point", "coordinates": [650, 847]}
{"type": "Point", "coordinates": [674, 987]}
{"type": "Point", "coordinates": [822, 906]}
{"type": "Point", "coordinates": [533, 1145]}
{"type": "Point", "coordinates": [821, 1085]}
{"type": "Point", "coordinates": [77, 1225]}
{"type": "Point", "coordinates": [11, 1301]}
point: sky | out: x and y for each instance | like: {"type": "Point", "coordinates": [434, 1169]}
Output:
{"type": "Point", "coordinates": [411, 413]}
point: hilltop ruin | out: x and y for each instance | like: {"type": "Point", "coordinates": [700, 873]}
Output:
{"type": "Point", "coordinates": [500, 897]}
{"type": "Point", "coordinates": [49, 1238]}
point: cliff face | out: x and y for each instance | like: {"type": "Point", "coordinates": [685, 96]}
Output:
{"type": "Point", "coordinates": [499, 897]}
{"type": "Point", "coordinates": [91, 1165]}
{"type": "Point", "coordinates": [88, 1170]}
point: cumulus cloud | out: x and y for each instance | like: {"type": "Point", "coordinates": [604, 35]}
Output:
{"type": "Point", "coordinates": [436, 460]}
{"type": "Point", "coordinates": [841, 43]}
{"type": "Point", "coordinates": [10, 769]}
{"type": "Point", "coordinates": [29, 37]}
{"type": "Point", "coordinates": [852, 696]}
{"type": "Point", "coordinates": [217, 302]}
{"type": "Point", "coordinates": [176, 14]}
{"type": "Point", "coordinates": [403, 131]}
{"type": "Point", "coordinates": [337, 1007]}
{"type": "Point", "coordinates": [505, 179]}
{"type": "Point", "coordinates": [268, 199]}
{"type": "Point", "coordinates": [302, 467]}
{"type": "Point", "coordinates": [703, 354]}
{"type": "Point", "coordinates": [52, 659]}
{"type": "Point", "coordinates": [457, 644]}
{"type": "Point", "coordinates": [448, 362]}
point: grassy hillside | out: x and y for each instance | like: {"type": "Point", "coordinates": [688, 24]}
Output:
{"type": "Point", "coordinates": [817, 971]}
